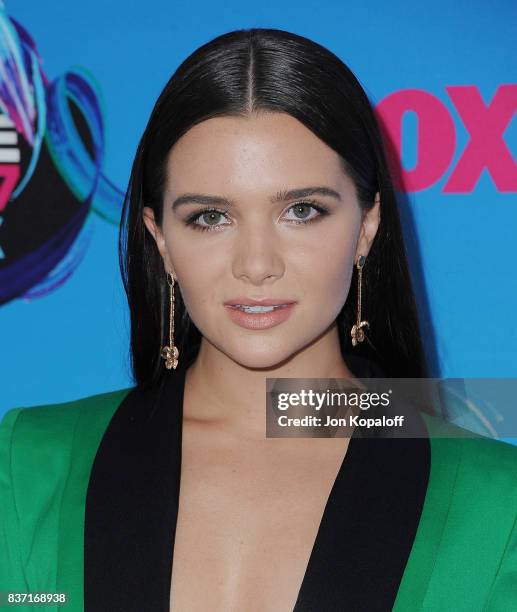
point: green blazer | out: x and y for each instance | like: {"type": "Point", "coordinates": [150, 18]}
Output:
{"type": "Point", "coordinates": [89, 496]}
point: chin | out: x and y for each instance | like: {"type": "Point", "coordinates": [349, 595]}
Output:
{"type": "Point", "coordinates": [263, 356]}
{"type": "Point", "coordinates": [260, 362]}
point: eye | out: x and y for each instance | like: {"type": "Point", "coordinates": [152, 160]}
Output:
{"type": "Point", "coordinates": [302, 211]}
{"type": "Point", "coordinates": [208, 219]}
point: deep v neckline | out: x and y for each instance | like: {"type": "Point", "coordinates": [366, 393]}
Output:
{"type": "Point", "coordinates": [300, 605]}
{"type": "Point", "coordinates": [359, 552]}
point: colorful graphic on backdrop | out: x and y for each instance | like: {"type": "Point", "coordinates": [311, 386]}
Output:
{"type": "Point", "coordinates": [51, 160]}
{"type": "Point", "coordinates": [52, 153]}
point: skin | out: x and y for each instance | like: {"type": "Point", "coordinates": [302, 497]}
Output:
{"type": "Point", "coordinates": [258, 251]}
{"type": "Point", "coordinates": [232, 476]}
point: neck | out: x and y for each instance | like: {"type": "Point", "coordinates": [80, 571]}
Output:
{"type": "Point", "coordinates": [223, 393]}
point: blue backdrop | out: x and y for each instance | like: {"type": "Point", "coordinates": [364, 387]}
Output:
{"type": "Point", "coordinates": [442, 76]}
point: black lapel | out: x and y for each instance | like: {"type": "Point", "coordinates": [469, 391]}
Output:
{"type": "Point", "coordinates": [132, 503]}
{"type": "Point", "coordinates": [369, 524]}
{"type": "Point", "coordinates": [372, 514]}
{"type": "Point", "coordinates": [360, 551]}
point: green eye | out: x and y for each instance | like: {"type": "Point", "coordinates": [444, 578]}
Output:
{"type": "Point", "coordinates": [211, 218]}
{"type": "Point", "coordinates": [302, 210]}
{"type": "Point", "coordinates": [208, 220]}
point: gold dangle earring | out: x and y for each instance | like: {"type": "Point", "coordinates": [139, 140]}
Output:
{"type": "Point", "coordinates": [357, 331]}
{"type": "Point", "coordinates": [170, 353]}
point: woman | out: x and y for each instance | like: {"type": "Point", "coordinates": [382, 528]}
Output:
{"type": "Point", "coordinates": [260, 239]}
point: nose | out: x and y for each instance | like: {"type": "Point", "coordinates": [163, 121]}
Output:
{"type": "Point", "coordinates": [256, 255]}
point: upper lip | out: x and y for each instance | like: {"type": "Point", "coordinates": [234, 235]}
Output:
{"type": "Point", "coordinates": [244, 301]}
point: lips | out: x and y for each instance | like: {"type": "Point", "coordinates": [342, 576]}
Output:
{"type": "Point", "coordinates": [259, 314]}
{"type": "Point", "coordinates": [244, 301]}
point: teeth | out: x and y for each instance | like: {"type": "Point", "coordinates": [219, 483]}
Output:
{"type": "Point", "coordinates": [257, 309]}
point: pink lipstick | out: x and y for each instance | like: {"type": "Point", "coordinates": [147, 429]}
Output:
{"type": "Point", "coordinates": [259, 313]}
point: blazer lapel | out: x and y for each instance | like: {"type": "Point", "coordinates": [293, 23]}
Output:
{"type": "Point", "coordinates": [369, 524]}
{"type": "Point", "coordinates": [440, 492]}
{"type": "Point", "coordinates": [132, 502]}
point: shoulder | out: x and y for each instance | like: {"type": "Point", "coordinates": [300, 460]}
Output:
{"type": "Point", "coordinates": [46, 455]}
{"type": "Point", "coordinates": [481, 466]}
{"type": "Point", "coordinates": [489, 451]}
{"type": "Point", "coordinates": [470, 515]}
{"type": "Point", "coordinates": [47, 439]}
{"type": "Point", "coordinates": [52, 423]}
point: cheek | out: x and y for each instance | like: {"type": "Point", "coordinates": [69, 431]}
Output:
{"type": "Point", "coordinates": [329, 289]}
{"type": "Point", "coordinates": [325, 270]}
{"type": "Point", "coordinates": [200, 272]}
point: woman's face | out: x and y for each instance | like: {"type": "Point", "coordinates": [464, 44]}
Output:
{"type": "Point", "coordinates": [261, 241]}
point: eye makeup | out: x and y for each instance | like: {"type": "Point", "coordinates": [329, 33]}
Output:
{"type": "Point", "coordinates": [192, 220]}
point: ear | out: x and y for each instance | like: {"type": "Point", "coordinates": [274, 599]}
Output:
{"type": "Point", "coordinates": [157, 234]}
{"type": "Point", "coordinates": [369, 227]}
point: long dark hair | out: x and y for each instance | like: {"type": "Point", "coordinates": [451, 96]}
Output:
{"type": "Point", "coordinates": [236, 74]}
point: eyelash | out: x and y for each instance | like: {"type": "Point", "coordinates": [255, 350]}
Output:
{"type": "Point", "coordinates": [191, 221]}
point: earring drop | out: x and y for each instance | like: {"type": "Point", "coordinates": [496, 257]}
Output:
{"type": "Point", "coordinates": [170, 353]}
{"type": "Point", "coordinates": [357, 331]}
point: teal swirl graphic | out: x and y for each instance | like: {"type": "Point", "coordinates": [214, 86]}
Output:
{"type": "Point", "coordinates": [51, 157]}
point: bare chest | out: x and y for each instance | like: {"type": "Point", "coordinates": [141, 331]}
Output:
{"type": "Point", "coordinates": [248, 518]}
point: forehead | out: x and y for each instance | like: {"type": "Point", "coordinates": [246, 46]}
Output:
{"type": "Point", "coordinates": [259, 152]}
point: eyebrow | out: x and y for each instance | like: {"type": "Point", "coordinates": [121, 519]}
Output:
{"type": "Point", "coordinates": [280, 196]}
